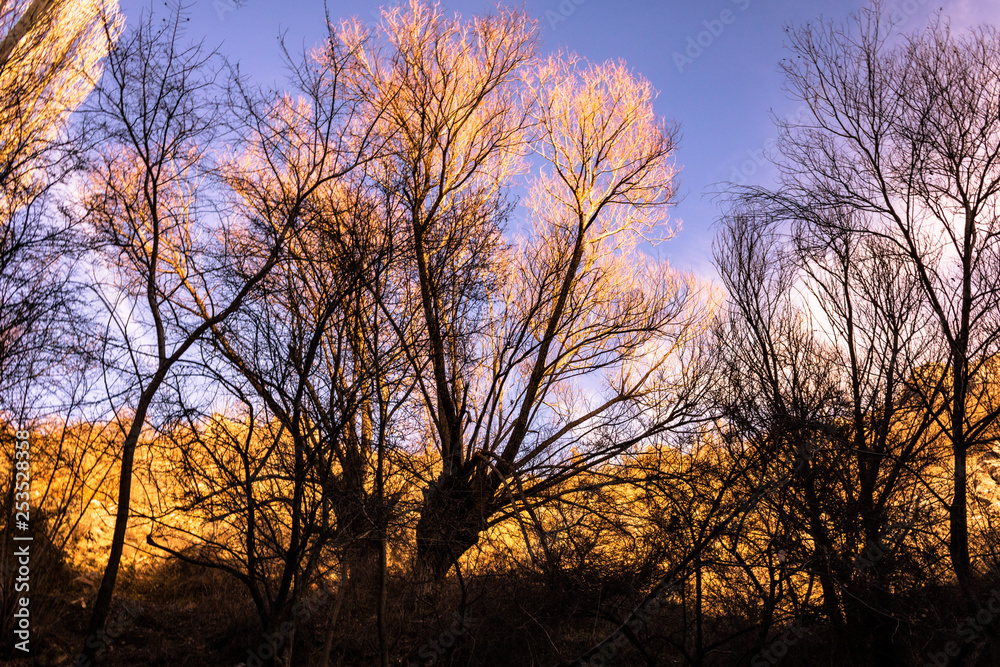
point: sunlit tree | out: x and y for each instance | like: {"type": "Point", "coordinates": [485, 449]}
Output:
{"type": "Point", "coordinates": [512, 317]}
{"type": "Point", "coordinates": [50, 58]}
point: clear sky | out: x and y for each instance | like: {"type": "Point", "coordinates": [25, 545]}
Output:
{"type": "Point", "coordinates": [715, 63]}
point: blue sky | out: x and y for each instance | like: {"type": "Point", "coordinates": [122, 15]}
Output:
{"type": "Point", "coordinates": [714, 62]}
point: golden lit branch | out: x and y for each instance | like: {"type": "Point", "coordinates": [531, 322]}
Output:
{"type": "Point", "coordinates": [50, 60]}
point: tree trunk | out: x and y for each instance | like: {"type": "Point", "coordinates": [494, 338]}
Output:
{"type": "Point", "coordinates": [454, 513]}
{"type": "Point", "coordinates": [335, 615]}
{"type": "Point", "coordinates": [102, 605]}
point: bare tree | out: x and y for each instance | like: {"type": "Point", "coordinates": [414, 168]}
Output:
{"type": "Point", "coordinates": [905, 139]}
{"type": "Point", "coordinates": [151, 203]}
{"type": "Point", "coordinates": [509, 322]}
{"type": "Point", "coordinates": [301, 479]}
{"type": "Point", "coordinates": [825, 331]}
{"type": "Point", "coordinates": [50, 57]}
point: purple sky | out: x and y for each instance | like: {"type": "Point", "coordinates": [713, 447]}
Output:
{"type": "Point", "coordinates": [715, 63]}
